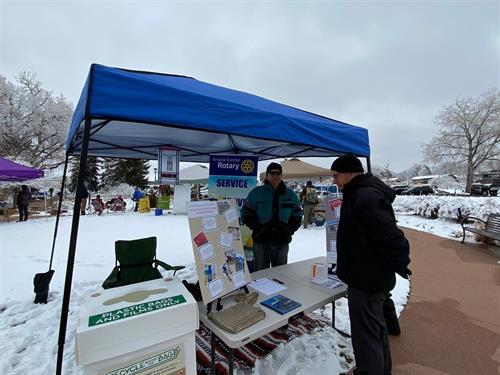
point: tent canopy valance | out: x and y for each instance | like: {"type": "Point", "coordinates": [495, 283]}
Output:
{"type": "Point", "coordinates": [134, 113]}
{"type": "Point", "coordinates": [11, 171]}
{"type": "Point", "coordinates": [195, 174]}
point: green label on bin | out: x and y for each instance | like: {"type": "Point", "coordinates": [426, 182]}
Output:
{"type": "Point", "coordinates": [129, 311]}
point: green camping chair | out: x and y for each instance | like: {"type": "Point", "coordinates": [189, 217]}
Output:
{"type": "Point", "coordinates": [136, 262]}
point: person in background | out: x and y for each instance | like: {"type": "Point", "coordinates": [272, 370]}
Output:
{"type": "Point", "coordinates": [23, 201]}
{"type": "Point", "coordinates": [85, 197]}
{"type": "Point", "coordinates": [98, 205]}
{"type": "Point", "coordinates": [309, 198]}
{"type": "Point", "coordinates": [136, 196]}
{"type": "Point", "coordinates": [272, 211]}
{"type": "Point", "coordinates": [370, 251]}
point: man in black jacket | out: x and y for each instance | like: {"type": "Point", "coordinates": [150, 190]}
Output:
{"type": "Point", "coordinates": [370, 251]}
{"type": "Point", "coordinates": [23, 201]}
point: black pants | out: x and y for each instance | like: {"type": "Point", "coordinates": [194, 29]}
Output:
{"type": "Point", "coordinates": [23, 212]}
{"type": "Point", "coordinates": [369, 333]}
{"type": "Point", "coordinates": [266, 256]}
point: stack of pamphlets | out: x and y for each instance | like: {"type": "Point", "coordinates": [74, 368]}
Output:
{"type": "Point", "coordinates": [280, 304]}
{"type": "Point", "coordinates": [331, 282]}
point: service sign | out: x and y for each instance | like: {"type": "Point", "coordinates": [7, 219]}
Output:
{"type": "Point", "coordinates": [232, 176]}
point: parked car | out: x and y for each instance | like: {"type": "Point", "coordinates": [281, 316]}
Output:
{"type": "Point", "coordinates": [494, 189]}
{"type": "Point", "coordinates": [480, 189]}
{"type": "Point", "coordinates": [327, 190]}
{"type": "Point", "coordinates": [419, 190]}
{"type": "Point", "coordinates": [39, 194]}
{"type": "Point", "coordinates": [400, 188]}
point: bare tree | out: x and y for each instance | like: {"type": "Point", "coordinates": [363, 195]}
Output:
{"type": "Point", "coordinates": [469, 134]}
{"type": "Point", "coordinates": [33, 123]}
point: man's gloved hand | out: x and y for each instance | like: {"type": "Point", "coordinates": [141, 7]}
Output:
{"type": "Point", "coordinates": [294, 223]}
{"type": "Point", "coordinates": [405, 274]}
{"type": "Point", "coordinates": [251, 220]}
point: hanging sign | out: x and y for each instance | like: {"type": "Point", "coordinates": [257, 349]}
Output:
{"type": "Point", "coordinates": [168, 166]}
{"type": "Point", "coordinates": [332, 216]}
{"type": "Point", "coordinates": [234, 176]}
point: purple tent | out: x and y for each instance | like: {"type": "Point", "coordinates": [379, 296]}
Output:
{"type": "Point", "coordinates": [10, 171]}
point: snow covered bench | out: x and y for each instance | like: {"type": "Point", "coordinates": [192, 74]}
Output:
{"type": "Point", "coordinates": [491, 229]}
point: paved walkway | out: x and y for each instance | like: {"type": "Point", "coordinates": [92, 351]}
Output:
{"type": "Point", "coordinates": [451, 324]}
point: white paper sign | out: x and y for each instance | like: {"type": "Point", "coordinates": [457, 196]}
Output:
{"type": "Point", "coordinates": [216, 287]}
{"type": "Point", "coordinates": [239, 279]}
{"type": "Point", "coordinates": [206, 252]}
{"type": "Point", "coordinates": [226, 239]}
{"type": "Point", "coordinates": [331, 254]}
{"type": "Point", "coordinates": [266, 286]}
{"type": "Point", "coordinates": [209, 223]}
{"type": "Point", "coordinates": [202, 209]}
{"type": "Point", "coordinates": [230, 215]}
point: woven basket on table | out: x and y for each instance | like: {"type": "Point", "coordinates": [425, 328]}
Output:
{"type": "Point", "coordinates": [237, 317]}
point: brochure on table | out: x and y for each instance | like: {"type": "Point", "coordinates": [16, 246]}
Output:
{"type": "Point", "coordinates": [332, 215]}
{"type": "Point", "coordinates": [218, 251]}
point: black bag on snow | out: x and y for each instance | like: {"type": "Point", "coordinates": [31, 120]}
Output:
{"type": "Point", "coordinates": [391, 319]}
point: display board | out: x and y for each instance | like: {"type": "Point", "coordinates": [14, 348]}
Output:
{"type": "Point", "coordinates": [218, 250]}
{"type": "Point", "coordinates": [332, 216]}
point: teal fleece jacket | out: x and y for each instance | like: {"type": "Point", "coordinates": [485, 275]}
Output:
{"type": "Point", "coordinates": [273, 215]}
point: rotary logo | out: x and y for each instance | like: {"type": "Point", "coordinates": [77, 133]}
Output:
{"type": "Point", "coordinates": [247, 166]}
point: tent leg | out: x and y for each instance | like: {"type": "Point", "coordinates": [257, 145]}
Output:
{"type": "Point", "coordinates": [368, 164]}
{"type": "Point", "coordinates": [59, 211]}
{"type": "Point", "coordinates": [72, 246]}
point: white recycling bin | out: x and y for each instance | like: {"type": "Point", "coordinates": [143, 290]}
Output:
{"type": "Point", "coordinates": [145, 328]}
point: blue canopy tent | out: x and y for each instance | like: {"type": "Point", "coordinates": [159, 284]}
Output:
{"type": "Point", "coordinates": [131, 114]}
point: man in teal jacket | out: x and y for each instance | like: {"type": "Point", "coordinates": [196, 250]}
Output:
{"type": "Point", "coordinates": [272, 211]}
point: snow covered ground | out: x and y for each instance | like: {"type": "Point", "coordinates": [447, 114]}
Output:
{"type": "Point", "coordinates": [29, 332]}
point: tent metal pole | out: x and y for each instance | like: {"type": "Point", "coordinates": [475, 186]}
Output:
{"type": "Point", "coordinates": [72, 245]}
{"type": "Point", "coordinates": [59, 210]}
{"type": "Point", "coordinates": [368, 164]}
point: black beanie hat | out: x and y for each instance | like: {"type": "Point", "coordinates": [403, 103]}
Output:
{"type": "Point", "coordinates": [272, 166]}
{"type": "Point", "coordinates": [347, 163]}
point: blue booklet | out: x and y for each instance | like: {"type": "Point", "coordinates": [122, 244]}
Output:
{"type": "Point", "coordinates": [280, 304]}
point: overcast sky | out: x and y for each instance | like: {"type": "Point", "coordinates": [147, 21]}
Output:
{"type": "Point", "coordinates": [386, 66]}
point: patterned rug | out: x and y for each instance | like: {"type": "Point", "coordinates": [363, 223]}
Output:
{"type": "Point", "coordinates": [245, 357]}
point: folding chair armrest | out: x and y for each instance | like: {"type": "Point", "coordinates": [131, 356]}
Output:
{"type": "Point", "coordinates": [168, 267]}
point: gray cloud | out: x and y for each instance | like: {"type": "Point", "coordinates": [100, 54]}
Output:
{"type": "Point", "coordinates": [385, 66]}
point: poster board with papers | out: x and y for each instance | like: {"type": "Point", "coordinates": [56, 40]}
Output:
{"type": "Point", "coordinates": [218, 250]}
{"type": "Point", "coordinates": [332, 216]}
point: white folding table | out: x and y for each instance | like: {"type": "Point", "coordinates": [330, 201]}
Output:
{"type": "Point", "coordinates": [295, 277]}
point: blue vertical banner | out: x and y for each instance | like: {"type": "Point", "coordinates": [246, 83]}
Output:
{"type": "Point", "coordinates": [232, 176]}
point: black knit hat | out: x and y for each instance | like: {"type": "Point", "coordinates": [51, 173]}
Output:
{"type": "Point", "coordinates": [346, 164]}
{"type": "Point", "coordinates": [274, 166]}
